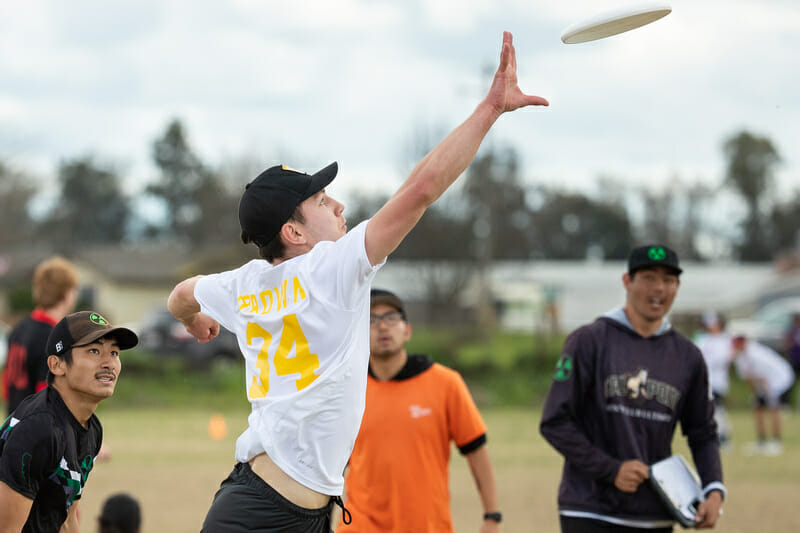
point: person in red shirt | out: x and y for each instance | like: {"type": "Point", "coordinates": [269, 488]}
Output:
{"type": "Point", "coordinates": [55, 292]}
{"type": "Point", "coordinates": [398, 471]}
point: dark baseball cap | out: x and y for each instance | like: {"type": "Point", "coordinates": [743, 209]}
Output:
{"type": "Point", "coordinates": [269, 200]}
{"type": "Point", "coordinates": [85, 327]}
{"type": "Point", "coordinates": [380, 296]}
{"type": "Point", "coordinates": [653, 255]}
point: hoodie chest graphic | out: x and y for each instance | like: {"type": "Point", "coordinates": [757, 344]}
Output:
{"type": "Point", "coordinates": [639, 386]}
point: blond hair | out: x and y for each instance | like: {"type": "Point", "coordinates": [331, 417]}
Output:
{"type": "Point", "coordinates": [52, 280]}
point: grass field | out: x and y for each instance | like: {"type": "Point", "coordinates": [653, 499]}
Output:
{"type": "Point", "coordinates": [165, 458]}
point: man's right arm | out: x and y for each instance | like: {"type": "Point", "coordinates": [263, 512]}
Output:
{"type": "Point", "coordinates": [560, 424]}
{"type": "Point", "coordinates": [185, 307]}
{"type": "Point", "coordinates": [442, 166]}
{"type": "Point", "coordinates": [15, 509]}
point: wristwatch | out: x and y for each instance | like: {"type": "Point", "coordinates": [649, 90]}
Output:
{"type": "Point", "coordinates": [497, 516]}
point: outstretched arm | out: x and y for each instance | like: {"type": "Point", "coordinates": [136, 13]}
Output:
{"type": "Point", "coordinates": [184, 306]}
{"type": "Point", "coordinates": [442, 166]}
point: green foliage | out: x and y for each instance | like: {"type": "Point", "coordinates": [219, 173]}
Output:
{"type": "Point", "coordinates": [16, 191]}
{"type": "Point", "coordinates": [501, 369]}
{"type": "Point", "coordinates": [92, 207]}
{"type": "Point", "coordinates": [750, 172]}
{"type": "Point", "coordinates": [20, 299]}
{"type": "Point", "coordinates": [198, 207]}
{"type": "Point", "coordinates": [570, 225]}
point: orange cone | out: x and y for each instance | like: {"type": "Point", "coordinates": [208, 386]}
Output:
{"type": "Point", "coordinates": [217, 428]}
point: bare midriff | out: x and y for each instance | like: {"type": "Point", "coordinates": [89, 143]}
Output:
{"type": "Point", "coordinates": [287, 487]}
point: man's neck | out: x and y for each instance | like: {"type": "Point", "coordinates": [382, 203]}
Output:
{"type": "Point", "coordinates": [290, 254]}
{"type": "Point", "coordinates": [385, 368]}
{"type": "Point", "coordinates": [81, 407]}
{"type": "Point", "coordinates": [645, 328]}
{"type": "Point", "coordinates": [57, 312]}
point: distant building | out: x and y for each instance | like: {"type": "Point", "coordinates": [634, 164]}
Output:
{"type": "Point", "coordinates": [575, 292]}
{"type": "Point", "coordinates": [124, 283]}
{"type": "Point", "coordinates": [127, 283]}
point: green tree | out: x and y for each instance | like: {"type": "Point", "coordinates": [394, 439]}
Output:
{"type": "Point", "coordinates": [785, 224]}
{"type": "Point", "coordinates": [496, 199]}
{"type": "Point", "coordinates": [91, 208]}
{"type": "Point", "coordinates": [574, 226]}
{"type": "Point", "coordinates": [751, 163]}
{"type": "Point", "coordinates": [16, 191]}
{"type": "Point", "coordinates": [199, 209]}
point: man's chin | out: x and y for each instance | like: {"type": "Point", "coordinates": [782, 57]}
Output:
{"type": "Point", "coordinates": [106, 391]}
{"type": "Point", "coordinates": [383, 353]}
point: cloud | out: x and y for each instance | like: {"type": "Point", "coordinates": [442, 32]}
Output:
{"type": "Point", "coordinates": [351, 80]}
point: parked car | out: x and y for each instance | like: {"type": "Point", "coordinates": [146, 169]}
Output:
{"type": "Point", "coordinates": [162, 334]}
{"type": "Point", "coordinates": [769, 324]}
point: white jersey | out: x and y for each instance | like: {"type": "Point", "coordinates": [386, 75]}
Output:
{"type": "Point", "coordinates": [717, 350]}
{"type": "Point", "coordinates": [303, 328]}
{"type": "Point", "coordinates": [763, 363]}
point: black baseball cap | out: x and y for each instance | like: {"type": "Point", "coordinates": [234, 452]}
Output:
{"type": "Point", "coordinates": [380, 296]}
{"type": "Point", "coordinates": [269, 200]}
{"type": "Point", "coordinates": [85, 327]}
{"type": "Point", "coordinates": [653, 255]}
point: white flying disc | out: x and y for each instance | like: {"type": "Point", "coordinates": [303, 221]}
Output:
{"type": "Point", "coordinates": [616, 21]}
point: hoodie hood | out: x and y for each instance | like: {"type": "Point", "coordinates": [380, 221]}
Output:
{"type": "Point", "coordinates": [618, 315]}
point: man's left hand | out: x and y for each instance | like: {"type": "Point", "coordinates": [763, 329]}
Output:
{"type": "Point", "coordinates": [490, 526]}
{"type": "Point", "coordinates": [708, 512]}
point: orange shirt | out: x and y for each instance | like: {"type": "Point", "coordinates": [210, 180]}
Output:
{"type": "Point", "coordinates": [398, 478]}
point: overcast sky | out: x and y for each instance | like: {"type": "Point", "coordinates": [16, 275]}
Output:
{"type": "Point", "coordinates": [309, 82]}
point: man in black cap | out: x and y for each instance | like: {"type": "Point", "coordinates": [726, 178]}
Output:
{"type": "Point", "coordinates": [49, 443]}
{"type": "Point", "coordinates": [621, 386]}
{"type": "Point", "coordinates": [302, 320]}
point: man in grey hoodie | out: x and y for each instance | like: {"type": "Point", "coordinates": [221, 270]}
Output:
{"type": "Point", "coordinates": [621, 386]}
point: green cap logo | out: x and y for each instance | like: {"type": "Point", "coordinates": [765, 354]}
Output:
{"type": "Point", "coordinates": [563, 368]}
{"type": "Point", "coordinates": [97, 319]}
{"type": "Point", "coordinates": [656, 253]}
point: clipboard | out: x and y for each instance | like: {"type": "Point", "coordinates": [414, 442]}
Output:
{"type": "Point", "coordinates": [677, 483]}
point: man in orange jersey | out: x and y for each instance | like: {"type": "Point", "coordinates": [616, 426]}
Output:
{"type": "Point", "coordinates": [398, 472]}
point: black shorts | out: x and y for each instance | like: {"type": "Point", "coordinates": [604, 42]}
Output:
{"type": "Point", "coordinates": [574, 524]}
{"type": "Point", "coordinates": [245, 502]}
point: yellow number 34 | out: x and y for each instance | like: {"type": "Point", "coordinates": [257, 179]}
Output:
{"type": "Point", "coordinates": [304, 362]}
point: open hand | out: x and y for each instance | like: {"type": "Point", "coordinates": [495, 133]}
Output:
{"type": "Point", "coordinates": [505, 94]}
